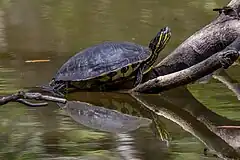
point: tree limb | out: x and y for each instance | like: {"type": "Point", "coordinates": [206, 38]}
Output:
{"type": "Point", "coordinates": [222, 59]}
{"type": "Point", "coordinates": [22, 96]}
{"type": "Point", "coordinates": [211, 39]}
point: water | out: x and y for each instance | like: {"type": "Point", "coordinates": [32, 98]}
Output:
{"type": "Point", "coordinates": [55, 30]}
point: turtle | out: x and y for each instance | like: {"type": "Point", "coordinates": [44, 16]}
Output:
{"type": "Point", "coordinates": [108, 63]}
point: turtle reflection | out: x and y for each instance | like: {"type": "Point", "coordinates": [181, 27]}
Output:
{"type": "Point", "coordinates": [113, 112]}
{"type": "Point", "coordinates": [103, 119]}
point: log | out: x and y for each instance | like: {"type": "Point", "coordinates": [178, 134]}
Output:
{"type": "Point", "coordinates": [209, 40]}
{"type": "Point", "coordinates": [223, 59]}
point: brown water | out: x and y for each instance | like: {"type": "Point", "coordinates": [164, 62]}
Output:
{"type": "Point", "coordinates": [55, 30]}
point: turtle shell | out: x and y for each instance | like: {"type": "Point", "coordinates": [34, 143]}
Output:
{"type": "Point", "coordinates": [100, 60]}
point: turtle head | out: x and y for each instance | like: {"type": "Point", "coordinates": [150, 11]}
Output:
{"type": "Point", "coordinates": [160, 40]}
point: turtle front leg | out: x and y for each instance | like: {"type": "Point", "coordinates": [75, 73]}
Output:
{"type": "Point", "coordinates": [57, 89]}
{"type": "Point", "coordinates": [139, 76]}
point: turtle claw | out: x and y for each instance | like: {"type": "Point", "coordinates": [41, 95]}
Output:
{"type": "Point", "coordinates": [56, 91]}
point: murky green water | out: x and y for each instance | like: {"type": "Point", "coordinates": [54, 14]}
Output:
{"type": "Point", "coordinates": [55, 30]}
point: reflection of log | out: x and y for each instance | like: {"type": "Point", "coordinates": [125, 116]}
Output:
{"type": "Point", "coordinates": [225, 128]}
{"type": "Point", "coordinates": [231, 83]}
{"type": "Point", "coordinates": [189, 103]}
{"type": "Point", "coordinates": [191, 125]}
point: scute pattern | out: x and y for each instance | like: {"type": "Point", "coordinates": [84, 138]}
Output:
{"type": "Point", "coordinates": [101, 59]}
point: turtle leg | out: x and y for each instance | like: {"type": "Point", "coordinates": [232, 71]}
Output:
{"type": "Point", "coordinates": [139, 76]}
{"type": "Point", "coordinates": [56, 90]}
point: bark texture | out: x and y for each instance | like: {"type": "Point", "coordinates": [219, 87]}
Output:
{"type": "Point", "coordinates": [224, 59]}
{"type": "Point", "coordinates": [211, 39]}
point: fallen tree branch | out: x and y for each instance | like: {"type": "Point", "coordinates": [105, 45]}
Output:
{"type": "Point", "coordinates": [211, 39]}
{"type": "Point", "coordinates": [222, 59]}
{"type": "Point", "coordinates": [22, 96]}
{"type": "Point", "coordinates": [206, 42]}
